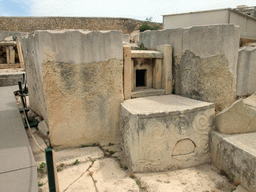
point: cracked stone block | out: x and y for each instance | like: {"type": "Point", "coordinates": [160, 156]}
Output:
{"type": "Point", "coordinates": [165, 132]}
{"type": "Point", "coordinates": [236, 119]}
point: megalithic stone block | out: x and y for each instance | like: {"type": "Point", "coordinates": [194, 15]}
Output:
{"type": "Point", "coordinates": [166, 132]}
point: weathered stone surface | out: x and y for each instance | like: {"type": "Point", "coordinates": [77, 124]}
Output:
{"type": "Point", "coordinates": [213, 46]}
{"type": "Point", "coordinates": [156, 131]}
{"type": "Point", "coordinates": [246, 71]}
{"type": "Point", "coordinates": [250, 104]}
{"type": "Point", "coordinates": [236, 155]}
{"type": "Point", "coordinates": [146, 54]}
{"type": "Point", "coordinates": [235, 119]}
{"type": "Point", "coordinates": [167, 67]}
{"type": "Point", "coordinates": [76, 84]}
{"type": "Point", "coordinates": [240, 189]}
{"type": "Point", "coordinates": [83, 102]}
{"type": "Point", "coordinates": [9, 79]}
{"type": "Point", "coordinates": [110, 177]}
{"type": "Point", "coordinates": [43, 128]}
{"type": "Point", "coordinates": [126, 38]}
{"type": "Point", "coordinates": [205, 79]}
{"type": "Point", "coordinates": [202, 178]}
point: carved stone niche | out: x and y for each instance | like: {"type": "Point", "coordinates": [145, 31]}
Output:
{"type": "Point", "coordinates": [147, 73]}
{"type": "Point", "coordinates": [165, 132]}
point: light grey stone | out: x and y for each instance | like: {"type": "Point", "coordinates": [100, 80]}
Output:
{"type": "Point", "coordinates": [9, 38]}
{"type": "Point", "coordinates": [43, 128]}
{"type": "Point", "coordinates": [211, 45]}
{"type": "Point", "coordinates": [202, 178]}
{"type": "Point", "coordinates": [146, 54]}
{"type": "Point", "coordinates": [199, 78]}
{"type": "Point", "coordinates": [153, 127]}
{"type": "Point", "coordinates": [126, 38]}
{"type": "Point", "coordinates": [132, 45]}
{"type": "Point", "coordinates": [110, 177]}
{"type": "Point", "coordinates": [240, 189]}
{"type": "Point", "coordinates": [20, 180]}
{"type": "Point", "coordinates": [147, 92]}
{"type": "Point", "coordinates": [235, 119]}
{"type": "Point", "coordinates": [246, 71]}
{"type": "Point", "coordinates": [77, 76]}
{"type": "Point", "coordinates": [31, 115]}
{"type": "Point", "coordinates": [236, 155]}
{"type": "Point", "coordinates": [250, 104]}
{"type": "Point", "coordinates": [9, 79]}
{"type": "Point", "coordinates": [83, 154]}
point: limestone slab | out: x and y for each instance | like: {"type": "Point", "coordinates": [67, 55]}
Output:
{"type": "Point", "coordinates": [10, 79]}
{"type": "Point", "coordinates": [68, 156]}
{"type": "Point", "coordinates": [19, 180]}
{"type": "Point", "coordinates": [75, 79]}
{"type": "Point", "coordinates": [147, 92]}
{"type": "Point", "coordinates": [146, 54]}
{"type": "Point", "coordinates": [236, 155]}
{"type": "Point", "coordinates": [201, 178]}
{"type": "Point", "coordinates": [246, 71]}
{"type": "Point", "coordinates": [110, 177]}
{"type": "Point", "coordinates": [236, 119]}
{"type": "Point", "coordinates": [155, 128]}
{"type": "Point", "coordinates": [215, 50]}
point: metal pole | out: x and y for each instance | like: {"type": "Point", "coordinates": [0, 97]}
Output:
{"type": "Point", "coordinates": [50, 170]}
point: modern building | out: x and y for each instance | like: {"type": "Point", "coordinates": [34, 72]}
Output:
{"type": "Point", "coordinates": [246, 22]}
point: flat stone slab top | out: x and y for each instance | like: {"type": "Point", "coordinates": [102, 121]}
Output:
{"type": "Point", "coordinates": [146, 54]}
{"type": "Point", "coordinates": [165, 132]}
{"type": "Point", "coordinates": [236, 155]}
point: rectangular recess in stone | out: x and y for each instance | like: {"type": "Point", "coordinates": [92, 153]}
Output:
{"type": "Point", "coordinates": [165, 132]}
{"type": "Point", "coordinates": [141, 77]}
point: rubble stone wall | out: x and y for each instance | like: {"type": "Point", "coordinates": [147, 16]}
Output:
{"type": "Point", "coordinates": [205, 61]}
{"type": "Point", "coordinates": [29, 24]}
{"type": "Point", "coordinates": [76, 84]}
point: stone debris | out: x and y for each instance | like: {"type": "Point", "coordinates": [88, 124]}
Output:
{"type": "Point", "coordinates": [236, 119]}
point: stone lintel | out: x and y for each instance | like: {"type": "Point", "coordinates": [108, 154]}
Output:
{"type": "Point", "coordinates": [146, 54]}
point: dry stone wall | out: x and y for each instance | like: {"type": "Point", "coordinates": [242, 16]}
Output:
{"type": "Point", "coordinates": [76, 84]}
{"type": "Point", "coordinates": [29, 24]}
{"type": "Point", "coordinates": [205, 61]}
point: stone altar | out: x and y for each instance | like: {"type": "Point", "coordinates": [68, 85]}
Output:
{"type": "Point", "coordinates": [165, 132]}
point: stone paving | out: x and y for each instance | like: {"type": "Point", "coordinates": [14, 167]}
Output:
{"type": "Point", "coordinates": [103, 169]}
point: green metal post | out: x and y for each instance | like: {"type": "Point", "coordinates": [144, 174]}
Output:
{"type": "Point", "coordinates": [50, 170]}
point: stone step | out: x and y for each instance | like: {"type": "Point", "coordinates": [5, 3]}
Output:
{"type": "Point", "coordinates": [236, 155]}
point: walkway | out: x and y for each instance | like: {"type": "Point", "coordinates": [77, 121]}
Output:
{"type": "Point", "coordinates": [18, 171]}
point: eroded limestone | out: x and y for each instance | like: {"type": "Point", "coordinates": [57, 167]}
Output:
{"type": "Point", "coordinates": [165, 132]}
{"type": "Point", "coordinates": [235, 119]}
{"type": "Point", "coordinates": [205, 79]}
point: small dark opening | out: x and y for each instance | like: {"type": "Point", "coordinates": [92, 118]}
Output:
{"type": "Point", "coordinates": [141, 78]}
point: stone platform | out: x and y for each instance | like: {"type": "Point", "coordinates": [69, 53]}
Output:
{"type": "Point", "coordinates": [166, 132]}
{"type": "Point", "coordinates": [236, 155]}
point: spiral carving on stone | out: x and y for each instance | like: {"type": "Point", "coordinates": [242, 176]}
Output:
{"type": "Point", "coordinates": [154, 143]}
{"type": "Point", "coordinates": [182, 125]}
{"type": "Point", "coordinates": [203, 144]}
{"type": "Point", "coordinates": [202, 123]}
{"type": "Point", "coordinates": [155, 129]}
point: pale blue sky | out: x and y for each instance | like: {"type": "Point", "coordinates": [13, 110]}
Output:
{"type": "Point", "coordinates": [137, 9]}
